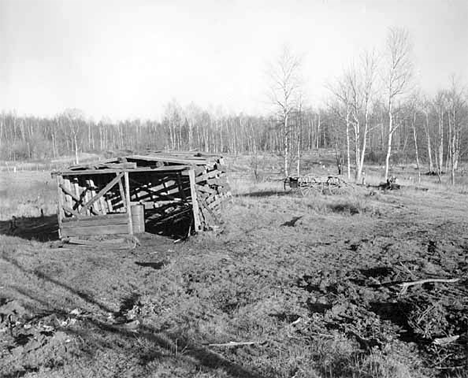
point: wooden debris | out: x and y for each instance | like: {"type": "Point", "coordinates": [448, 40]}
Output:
{"type": "Point", "coordinates": [390, 184]}
{"type": "Point", "coordinates": [406, 285]}
{"type": "Point", "coordinates": [309, 184]}
{"type": "Point", "coordinates": [78, 241]}
{"type": "Point", "coordinates": [234, 343]}
{"type": "Point", "coordinates": [445, 340]}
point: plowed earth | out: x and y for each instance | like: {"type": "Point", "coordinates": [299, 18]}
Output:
{"type": "Point", "coordinates": [307, 287]}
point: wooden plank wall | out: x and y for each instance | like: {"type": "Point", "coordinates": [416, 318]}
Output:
{"type": "Point", "coordinates": [77, 191]}
{"type": "Point", "coordinates": [96, 225]}
{"type": "Point", "coordinates": [93, 205]}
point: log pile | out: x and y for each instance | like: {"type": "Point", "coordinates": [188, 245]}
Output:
{"type": "Point", "coordinates": [212, 190]}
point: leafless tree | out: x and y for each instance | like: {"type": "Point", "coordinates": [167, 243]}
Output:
{"type": "Point", "coordinates": [356, 91]}
{"type": "Point", "coordinates": [440, 104]}
{"type": "Point", "coordinates": [285, 89]}
{"type": "Point", "coordinates": [368, 77]}
{"type": "Point", "coordinates": [71, 121]}
{"type": "Point", "coordinates": [397, 77]}
{"type": "Point", "coordinates": [414, 108]}
{"type": "Point", "coordinates": [173, 119]}
{"type": "Point", "coordinates": [457, 118]}
{"type": "Point", "coordinates": [426, 109]}
{"type": "Point", "coordinates": [343, 110]}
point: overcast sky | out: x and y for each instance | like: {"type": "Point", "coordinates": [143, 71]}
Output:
{"type": "Point", "coordinates": [128, 58]}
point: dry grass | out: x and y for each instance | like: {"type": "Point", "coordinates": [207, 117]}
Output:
{"type": "Point", "coordinates": [262, 278]}
{"type": "Point", "coordinates": [25, 194]}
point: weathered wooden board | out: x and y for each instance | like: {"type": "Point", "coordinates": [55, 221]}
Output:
{"type": "Point", "coordinates": [195, 206]}
{"type": "Point", "coordinates": [215, 203]}
{"type": "Point", "coordinates": [97, 220]}
{"type": "Point", "coordinates": [155, 170]}
{"type": "Point", "coordinates": [96, 225]}
{"type": "Point", "coordinates": [174, 215]}
{"type": "Point", "coordinates": [169, 159]}
{"type": "Point", "coordinates": [94, 230]}
{"type": "Point", "coordinates": [208, 175]}
{"type": "Point", "coordinates": [128, 203]}
{"type": "Point", "coordinates": [104, 166]}
{"type": "Point", "coordinates": [205, 189]}
{"type": "Point", "coordinates": [217, 181]}
{"type": "Point", "coordinates": [60, 213]}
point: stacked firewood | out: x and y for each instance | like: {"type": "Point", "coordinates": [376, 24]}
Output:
{"type": "Point", "coordinates": [212, 190]}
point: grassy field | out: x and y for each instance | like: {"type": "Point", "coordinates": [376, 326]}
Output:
{"type": "Point", "coordinates": [290, 286]}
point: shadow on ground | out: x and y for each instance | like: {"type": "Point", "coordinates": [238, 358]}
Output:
{"type": "Point", "coordinates": [268, 193]}
{"type": "Point", "coordinates": [98, 334]}
{"type": "Point", "coordinates": [43, 228]}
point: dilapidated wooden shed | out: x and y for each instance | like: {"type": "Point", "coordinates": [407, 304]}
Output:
{"type": "Point", "coordinates": [173, 194]}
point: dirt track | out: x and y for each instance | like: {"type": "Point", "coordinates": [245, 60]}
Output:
{"type": "Point", "coordinates": [287, 273]}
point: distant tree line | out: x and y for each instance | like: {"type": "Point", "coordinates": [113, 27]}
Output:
{"type": "Point", "coordinates": [374, 115]}
{"type": "Point", "coordinates": [181, 128]}
{"type": "Point", "coordinates": [435, 129]}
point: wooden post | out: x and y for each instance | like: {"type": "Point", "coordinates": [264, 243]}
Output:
{"type": "Point", "coordinates": [60, 213]}
{"type": "Point", "coordinates": [88, 195]}
{"type": "Point", "coordinates": [68, 200]}
{"type": "Point", "coordinates": [78, 192]}
{"type": "Point", "coordinates": [195, 208]}
{"type": "Point", "coordinates": [181, 187]}
{"type": "Point", "coordinates": [123, 194]}
{"type": "Point", "coordinates": [127, 199]}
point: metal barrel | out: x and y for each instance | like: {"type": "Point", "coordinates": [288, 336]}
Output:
{"type": "Point", "coordinates": [138, 219]}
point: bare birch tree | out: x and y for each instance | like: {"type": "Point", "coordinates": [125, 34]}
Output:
{"type": "Point", "coordinates": [285, 90]}
{"type": "Point", "coordinates": [342, 92]}
{"type": "Point", "coordinates": [457, 116]}
{"type": "Point", "coordinates": [355, 90]}
{"type": "Point", "coordinates": [414, 107]}
{"type": "Point", "coordinates": [426, 108]}
{"type": "Point", "coordinates": [368, 77]}
{"type": "Point", "coordinates": [397, 80]}
{"type": "Point", "coordinates": [71, 121]}
{"type": "Point", "coordinates": [440, 104]}
{"type": "Point", "coordinates": [341, 110]}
